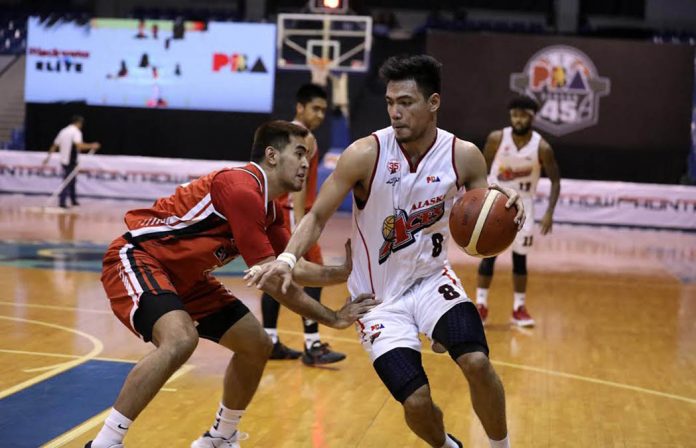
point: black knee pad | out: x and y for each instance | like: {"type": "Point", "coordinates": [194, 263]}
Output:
{"type": "Point", "coordinates": [486, 266]}
{"type": "Point", "coordinates": [401, 370]}
{"type": "Point", "coordinates": [519, 264]}
{"type": "Point", "coordinates": [460, 331]}
{"type": "Point", "coordinates": [213, 327]}
{"type": "Point", "coordinates": [150, 308]}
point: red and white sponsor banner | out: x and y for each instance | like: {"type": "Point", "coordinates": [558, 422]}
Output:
{"type": "Point", "coordinates": [148, 178]}
{"type": "Point", "coordinates": [620, 204]}
{"type": "Point", "coordinates": [102, 176]}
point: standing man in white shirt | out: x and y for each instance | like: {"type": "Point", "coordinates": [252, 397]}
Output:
{"type": "Point", "coordinates": [69, 142]}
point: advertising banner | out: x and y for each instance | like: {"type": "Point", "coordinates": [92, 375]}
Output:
{"type": "Point", "coordinates": [156, 64]}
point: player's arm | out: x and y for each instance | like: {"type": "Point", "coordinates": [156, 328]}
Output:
{"type": "Point", "coordinates": [491, 147]}
{"type": "Point", "coordinates": [301, 303]}
{"type": "Point", "coordinates": [473, 173]}
{"type": "Point", "coordinates": [51, 150]}
{"type": "Point", "coordinates": [85, 147]}
{"type": "Point", "coordinates": [311, 274]}
{"type": "Point", "coordinates": [350, 171]}
{"type": "Point", "coordinates": [245, 212]}
{"type": "Point", "coordinates": [548, 162]}
{"type": "Point", "coordinates": [305, 272]}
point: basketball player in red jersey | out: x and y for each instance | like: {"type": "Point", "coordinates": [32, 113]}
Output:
{"type": "Point", "coordinates": [404, 180]}
{"type": "Point", "coordinates": [516, 156]}
{"type": "Point", "coordinates": [310, 110]}
{"type": "Point", "coordinates": [158, 279]}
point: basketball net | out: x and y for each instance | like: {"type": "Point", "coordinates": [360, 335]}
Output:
{"type": "Point", "coordinates": [320, 70]}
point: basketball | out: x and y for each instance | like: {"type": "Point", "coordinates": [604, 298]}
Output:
{"type": "Point", "coordinates": [480, 223]}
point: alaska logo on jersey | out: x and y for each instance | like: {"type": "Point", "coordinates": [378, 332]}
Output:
{"type": "Point", "coordinates": [399, 230]}
{"type": "Point", "coordinates": [565, 82]}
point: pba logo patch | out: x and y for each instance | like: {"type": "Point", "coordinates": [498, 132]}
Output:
{"type": "Point", "coordinates": [565, 83]}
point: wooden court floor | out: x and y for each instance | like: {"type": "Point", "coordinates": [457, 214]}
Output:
{"type": "Point", "coordinates": [611, 362]}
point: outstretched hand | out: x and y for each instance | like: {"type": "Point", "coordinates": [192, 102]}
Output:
{"type": "Point", "coordinates": [260, 275]}
{"type": "Point", "coordinates": [354, 310]}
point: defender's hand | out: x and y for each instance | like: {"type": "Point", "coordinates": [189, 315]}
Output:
{"type": "Point", "coordinates": [259, 275]}
{"type": "Point", "coordinates": [347, 266]}
{"type": "Point", "coordinates": [354, 310]}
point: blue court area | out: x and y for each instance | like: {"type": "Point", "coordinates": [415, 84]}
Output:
{"type": "Point", "coordinates": [78, 256]}
{"type": "Point", "coordinates": [42, 412]}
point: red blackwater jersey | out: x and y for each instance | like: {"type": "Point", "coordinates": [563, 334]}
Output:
{"type": "Point", "coordinates": [208, 222]}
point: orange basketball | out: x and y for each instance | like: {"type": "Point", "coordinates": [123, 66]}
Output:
{"type": "Point", "coordinates": [480, 223]}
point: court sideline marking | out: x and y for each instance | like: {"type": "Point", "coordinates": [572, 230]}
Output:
{"type": "Point", "coordinates": [97, 348]}
{"type": "Point", "coordinates": [99, 418]}
{"type": "Point", "coordinates": [549, 372]}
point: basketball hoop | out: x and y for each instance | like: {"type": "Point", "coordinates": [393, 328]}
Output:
{"type": "Point", "coordinates": [320, 70]}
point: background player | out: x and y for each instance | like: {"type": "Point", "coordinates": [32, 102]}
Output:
{"type": "Point", "coordinates": [515, 156]}
{"type": "Point", "coordinates": [310, 111]}
{"type": "Point", "coordinates": [404, 180]}
{"type": "Point", "coordinates": [158, 279]}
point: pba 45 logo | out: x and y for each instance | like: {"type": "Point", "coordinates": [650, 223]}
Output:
{"type": "Point", "coordinates": [565, 83]}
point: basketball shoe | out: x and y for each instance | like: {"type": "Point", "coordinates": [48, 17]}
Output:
{"type": "Point", "coordinates": [456, 440]}
{"type": "Point", "coordinates": [282, 351]}
{"type": "Point", "coordinates": [483, 312]}
{"type": "Point", "coordinates": [208, 441]}
{"type": "Point", "coordinates": [320, 353]}
{"type": "Point", "coordinates": [522, 318]}
{"type": "Point", "coordinates": [119, 445]}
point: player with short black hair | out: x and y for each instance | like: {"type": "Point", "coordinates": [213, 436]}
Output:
{"type": "Point", "coordinates": [404, 181]}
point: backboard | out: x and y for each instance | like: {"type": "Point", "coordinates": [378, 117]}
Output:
{"type": "Point", "coordinates": [345, 41]}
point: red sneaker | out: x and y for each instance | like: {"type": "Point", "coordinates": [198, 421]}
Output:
{"type": "Point", "coordinates": [483, 312]}
{"type": "Point", "coordinates": [522, 318]}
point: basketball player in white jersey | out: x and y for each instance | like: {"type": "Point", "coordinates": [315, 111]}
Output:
{"type": "Point", "coordinates": [516, 156]}
{"type": "Point", "coordinates": [404, 180]}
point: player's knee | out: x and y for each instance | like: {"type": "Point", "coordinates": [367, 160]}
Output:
{"type": "Point", "coordinates": [264, 347]}
{"type": "Point", "coordinates": [519, 264]}
{"type": "Point", "coordinates": [401, 371]}
{"type": "Point", "coordinates": [476, 366]}
{"type": "Point", "coordinates": [460, 331]}
{"type": "Point", "coordinates": [486, 266]}
{"type": "Point", "coordinates": [419, 402]}
{"type": "Point", "coordinates": [257, 347]}
{"type": "Point", "coordinates": [180, 344]}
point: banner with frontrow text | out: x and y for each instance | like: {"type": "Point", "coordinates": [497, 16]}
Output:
{"type": "Point", "coordinates": [147, 178]}
{"type": "Point", "coordinates": [620, 204]}
{"type": "Point", "coordinates": [101, 176]}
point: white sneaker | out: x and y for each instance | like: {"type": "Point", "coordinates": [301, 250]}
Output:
{"type": "Point", "coordinates": [208, 441]}
{"type": "Point", "coordinates": [119, 445]}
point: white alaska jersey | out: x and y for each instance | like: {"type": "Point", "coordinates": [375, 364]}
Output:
{"type": "Point", "coordinates": [401, 233]}
{"type": "Point", "coordinates": [518, 169]}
